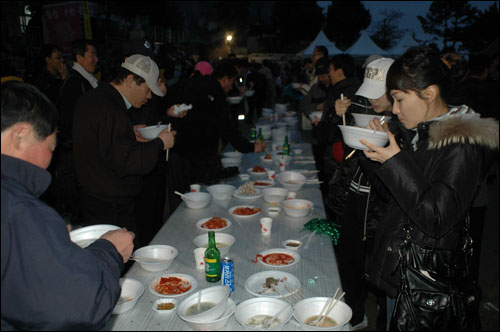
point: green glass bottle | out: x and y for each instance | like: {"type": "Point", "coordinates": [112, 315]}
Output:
{"type": "Point", "coordinates": [212, 259]}
{"type": "Point", "coordinates": [253, 134]}
{"type": "Point", "coordinates": [286, 147]}
{"type": "Point", "coordinates": [260, 137]}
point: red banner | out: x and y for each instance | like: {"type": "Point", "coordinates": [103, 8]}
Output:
{"type": "Point", "coordinates": [64, 23]}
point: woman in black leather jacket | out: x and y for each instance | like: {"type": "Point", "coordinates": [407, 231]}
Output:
{"type": "Point", "coordinates": [431, 169]}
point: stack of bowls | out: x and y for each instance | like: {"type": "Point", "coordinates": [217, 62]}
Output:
{"type": "Point", "coordinates": [266, 130]}
{"type": "Point", "coordinates": [230, 162]}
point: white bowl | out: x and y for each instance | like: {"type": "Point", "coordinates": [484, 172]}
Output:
{"type": "Point", "coordinates": [244, 176]}
{"type": "Point", "coordinates": [165, 300]}
{"type": "Point", "coordinates": [297, 207]}
{"type": "Point", "coordinates": [352, 135]}
{"type": "Point", "coordinates": [221, 191]}
{"type": "Point", "coordinates": [131, 292]}
{"type": "Point", "coordinates": [151, 132]}
{"type": "Point", "coordinates": [216, 294]}
{"type": "Point", "coordinates": [291, 180]}
{"type": "Point", "coordinates": [291, 121]}
{"type": "Point", "coordinates": [273, 211]}
{"type": "Point", "coordinates": [85, 236]}
{"type": "Point", "coordinates": [234, 100]}
{"type": "Point", "coordinates": [315, 114]}
{"type": "Point", "coordinates": [292, 244]}
{"type": "Point", "coordinates": [197, 200]}
{"type": "Point", "coordinates": [201, 241]}
{"type": "Point", "coordinates": [267, 111]}
{"type": "Point", "coordinates": [362, 120]}
{"type": "Point", "coordinates": [215, 324]}
{"type": "Point", "coordinates": [280, 158]}
{"type": "Point", "coordinates": [230, 162]}
{"type": "Point", "coordinates": [274, 195]}
{"type": "Point", "coordinates": [307, 308]}
{"type": "Point", "coordinates": [290, 114]}
{"type": "Point", "coordinates": [297, 151]}
{"type": "Point", "coordinates": [249, 93]}
{"type": "Point", "coordinates": [280, 107]}
{"type": "Point", "coordinates": [156, 251]}
{"type": "Point", "coordinates": [263, 306]}
{"type": "Point", "coordinates": [232, 154]}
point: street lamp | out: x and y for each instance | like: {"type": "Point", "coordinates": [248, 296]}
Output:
{"type": "Point", "coordinates": [229, 38]}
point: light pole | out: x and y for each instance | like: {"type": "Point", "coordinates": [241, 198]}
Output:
{"type": "Point", "coordinates": [229, 38]}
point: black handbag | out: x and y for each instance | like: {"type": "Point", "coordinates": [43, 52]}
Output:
{"type": "Point", "coordinates": [430, 301]}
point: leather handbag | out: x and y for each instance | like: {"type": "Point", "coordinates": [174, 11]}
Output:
{"type": "Point", "coordinates": [430, 301]}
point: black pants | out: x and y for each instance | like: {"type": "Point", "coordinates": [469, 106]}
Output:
{"type": "Point", "coordinates": [351, 253]}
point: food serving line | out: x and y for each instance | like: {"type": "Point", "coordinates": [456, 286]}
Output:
{"type": "Point", "coordinates": [315, 271]}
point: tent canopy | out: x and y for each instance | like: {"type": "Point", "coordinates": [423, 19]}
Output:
{"type": "Point", "coordinates": [321, 39]}
{"type": "Point", "coordinates": [365, 46]}
{"type": "Point", "coordinates": [403, 45]}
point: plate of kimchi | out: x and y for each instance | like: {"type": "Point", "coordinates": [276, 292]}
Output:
{"type": "Point", "coordinates": [277, 257]}
{"type": "Point", "coordinates": [213, 224]}
{"type": "Point", "coordinates": [173, 285]}
{"type": "Point", "coordinates": [258, 170]}
{"type": "Point", "coordinates": [244, 211]}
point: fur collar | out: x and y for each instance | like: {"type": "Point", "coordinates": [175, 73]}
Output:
{"type": "Point", "coordinates": [465, 128]}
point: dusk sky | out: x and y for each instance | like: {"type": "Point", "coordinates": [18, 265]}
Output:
{"type": "Point", "coordinates": [410, 9]}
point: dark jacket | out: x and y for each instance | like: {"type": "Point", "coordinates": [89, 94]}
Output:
{"type": "Point", "coordinates": [199, 132]}
{"type": "Point", "coordinates": [49, 282]}
{"type": "Point", "coordinates": [315, 96]}
{"type": "Point", "coordinates": [328, 131]}
{"type": "Point", "coordinates": [49, 84]}
{"type": "Point", "coordinates": [73, 87]}
{"type": "Point", "coordinates": [109, 161]}
{"type": "Point", "coordinates": [431, 188]}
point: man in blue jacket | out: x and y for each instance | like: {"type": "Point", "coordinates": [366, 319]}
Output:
{"type": "Point", "coordinates": [48, 282]}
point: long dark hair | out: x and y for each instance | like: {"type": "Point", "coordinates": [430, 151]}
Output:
{"type": "Point", "coordinates": [419, 68]}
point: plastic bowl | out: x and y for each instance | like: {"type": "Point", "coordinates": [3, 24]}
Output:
{"type": "Point", "coordinates": [234, 100]}
{"type": "Point", "coordinates": [263, 306]}
{"type": "Point", "coordinates": [156, 251]}
{"type": "Point", "coordinates": [151, 132]}
{"type": "Point", "coordinates": [232, 154]}
{"type": "Point", "coordinates": [280, 107]}
{"type": "Point", "coordinates": [162, 301]}
{"type": "Point", "coordinates": [217, 294]}
{"type": "Point", "coordinates": [221, 191]}
{"type": "Point", "coordinates": [215, 324]}
{"type": "Point", "coordinates": [315, 114]}
{"type": "Point", "coordinates": [292, 244]}
{"type": "Point", "coordinates": [352, 135]}
{"type": "Point", "coordinates": [249, 93]}
{"type": "Point", "coordinates": [291, 180]}
{"type": "Point", "coordinates": [274, 195]}
{"type": "Point", "coordinates": [131, 292]}
{"type": "Point", "coordinates": [220, 238]}
{"type": "Point", "coordinates": [197, 200]}
{"type": "Point", "coordinates": [362, 120]}
{"type": "Point", "coordinates": [297, 207]}
{"type": "Point", "coordinates": [307, 308]}
{"type": "Point", "coordinates": [230, 162]}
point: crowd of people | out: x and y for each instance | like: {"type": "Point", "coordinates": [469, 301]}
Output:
{"type": "Point", "coordinates": [72, 156]}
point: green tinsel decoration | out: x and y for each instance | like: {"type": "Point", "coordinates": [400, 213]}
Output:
{"type": "Point", "coordinates": [323, 226]}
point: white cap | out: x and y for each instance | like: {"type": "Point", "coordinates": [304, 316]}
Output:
{"type": "Point", "coordinates": [146, 68]}
{"type": "Point", "coordinates": [373, 86]}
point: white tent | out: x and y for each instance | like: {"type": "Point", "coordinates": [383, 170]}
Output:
{"type": "Point", "coordinates": [404, 44]}
{"type": "Point", "coordinates": [321, 39]}
{"type": "Point", "coordinates": [365, 46]}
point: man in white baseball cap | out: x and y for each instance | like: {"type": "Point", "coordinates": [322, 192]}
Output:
{"type": "Point", "coordinates": [146, 68]}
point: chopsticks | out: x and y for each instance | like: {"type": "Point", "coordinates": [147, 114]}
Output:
{"type": "Point", "coordinates": [328, 304]}
{"type": "Point", "coordinates": [169, 126]}
{"type": "Point", "coordinates": [343, 115]}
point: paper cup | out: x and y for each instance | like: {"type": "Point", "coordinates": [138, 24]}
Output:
{"type": "Point", "coordinates": [199, 258]}
{"type": "Point", "coordinates": [195, 188]}
{"type": "Point", "coordinates": [291, 195]}
{"type": "Point", "coordinates": [271, 175]}
{"type": "Point", "coordinates": [265, 225]}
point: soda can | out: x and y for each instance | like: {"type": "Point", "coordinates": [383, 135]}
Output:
{"type": "Point", "coordinates": [227, 272]}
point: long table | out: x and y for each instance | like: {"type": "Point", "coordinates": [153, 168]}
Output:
{"type": "Point", "coordinates": [316, 270]}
